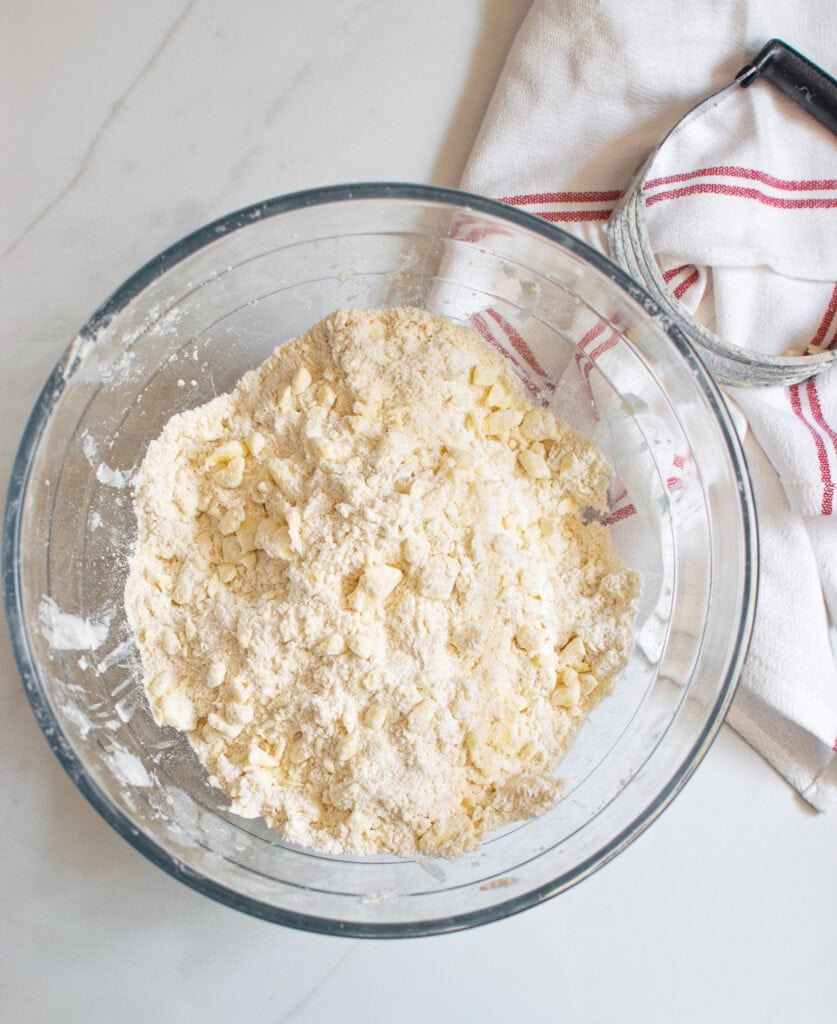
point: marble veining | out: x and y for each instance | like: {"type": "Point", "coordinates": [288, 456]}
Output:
{"type": "Point", "coordinates": [115, 108]}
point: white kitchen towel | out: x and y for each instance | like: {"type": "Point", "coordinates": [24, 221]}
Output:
{"type": "Point", "coordinates": [742, 213]}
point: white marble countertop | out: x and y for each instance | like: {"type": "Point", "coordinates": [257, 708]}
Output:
{"type": "Point", "coordinates": [125, 126]}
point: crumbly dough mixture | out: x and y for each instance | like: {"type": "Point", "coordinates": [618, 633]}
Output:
{"type": "Point", "coordinates": [364, 589]}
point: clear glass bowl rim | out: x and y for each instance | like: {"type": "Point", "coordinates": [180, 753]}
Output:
{"type": "Point", "coordinates": [50, 395]}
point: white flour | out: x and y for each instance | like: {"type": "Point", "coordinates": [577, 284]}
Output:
{"type": "Point", "coordinates": [66, 632]}
{"type": "Point", "coordinates": [110, 477]}
{"type": "Point", "coordinates": [363, 588]}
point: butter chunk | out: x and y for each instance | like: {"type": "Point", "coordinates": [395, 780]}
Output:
{"type": "Point", "coordinates": [439, 576]}
{"type": "Point", "coordinates": [285, 399]}
{"type": "Point", "coordinates": [540, 425]}
{"type": "Point", "coordinates": [178, 711]}
{"type": "Point", "coordinates": [220, 724]}
{"type": "Point", "coordinates": [564, 697]}
{"type": "Point", "coordinates": [216, 674]}
{"type": "Point", "coordinates": [239, 714]}
{"type": "Point", "coordinates": [361, 645]}
{"type": "Point", "coordinates": [531, 638]}
{"type": "Point", "coordinates": [281, 473]}
{"type": "Point", "coordinates": [419, 718]}
{"type": "Point", "coordinates": [334, 645]}
{"type": "Point", "coordinates": [225, 453]}
{"type": "Point", "coordinates": [274, 539]}
{"type": "Point", "coordinates": [327, 450]}
{"type": "Point", "coordinates": [256, 443]}
{"type": "Point", "coordinates": [533, 465]}
{"type": "Point", "coordinates": [326, 395]}
{"type": "Point", "coordinates": [160, 684]}
{"type": "Point", "coordinates": [260, 757]}
{"type": "Point", "coordinates": [468, 639]}
{"type": "Point", "coordinates": [574, 652]}
{"type": "Point", "coordinates": [245, 535]}
{"type": "Point", "coordinates": [498, 397]}
{"type": "Point", "coordinates": [348, 747]}
{"type": "Point", "coordinates": [588, 683]}
{"type": "Point", "coordinates": [415, 550]}
{"type": "Point", "coordinates": [231, 520]}
{"type": "Point", "coordinates": [485, 376]}
{"type": "Point", "coordinates": [376, 584]}
{"type": "Point", "coordinates": [302, 380]}
{"type": "Point", "coordinates": [501, 422]}
{"type": "Point", "coordinates": [230, 474]}
{"type": "Point", "coordinates": [376, 715]}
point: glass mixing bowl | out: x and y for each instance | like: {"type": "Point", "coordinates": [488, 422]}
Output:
{"type": "Point", "coordinates": [185, 328]}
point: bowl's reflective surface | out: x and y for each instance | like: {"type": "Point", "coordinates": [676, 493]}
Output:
{"type": "Point", "coordinates": [185, 328]}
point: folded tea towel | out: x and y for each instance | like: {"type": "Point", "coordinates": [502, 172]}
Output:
{"type": "Point", "coordinates": [742, 216]}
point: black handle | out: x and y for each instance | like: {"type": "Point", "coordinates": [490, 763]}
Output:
{"type": "Point", "coordinates": [797, 77]}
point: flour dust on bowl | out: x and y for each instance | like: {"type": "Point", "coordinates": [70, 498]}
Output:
{"type": "Point", "coordinates": [579, 333]}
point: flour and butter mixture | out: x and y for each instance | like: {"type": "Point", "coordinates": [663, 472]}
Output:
{"type": "Point", "coordinates": [364, 588]}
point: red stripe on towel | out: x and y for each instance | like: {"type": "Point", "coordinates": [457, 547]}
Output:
{"type": "Point", "coordinates": [816, 411]}
{"type": "Point", "coordinates": [618, 515]}
{"type": "Point", "coordinates": [597, 352]}
{"type": "Point", "coordinates": [685, 285]}
{"type": "Point", "coordinates": [573, 216]}
{"type": "Point", "coordinates": [605, 346]}
{"type": "Point", "coordinates": [530, 198]}
{"type": "Point", "coordinates": [475, 235]}
{"type": "Point", "coordinates": [822, 330]}
{"type": "Point", "coordinates": [812, 184]}
{"type": "Point", "coordinates": [822, 454]}
{"type": "Point", "coordinates": [485, 333]}
{"type": "Point", "coordinates": [594, 332]}
{"type": "Point", "coordinates": [517, 342]}
{"type": "Point", "coordinates": [735, 191]}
